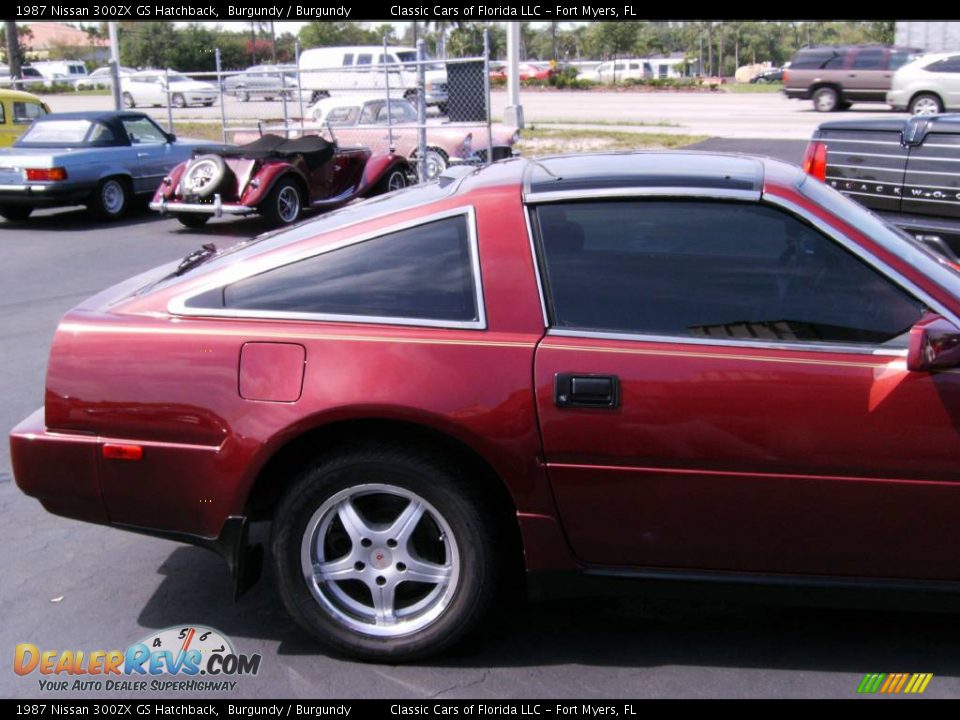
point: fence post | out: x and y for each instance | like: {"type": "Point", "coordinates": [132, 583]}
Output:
{"type": "Point", "coordinates": [421, 111]}
{"type": "Point", "coordinates": [486, 93]}
{"type": "Point", "coordinates": [223, 112]}
{"type": "Point", "coordinates": [296, 59]}
{"type": "Point", "coordinates": [283, 99]}
{"type": "Point", "coordinates": [166, 87]}
{"type": "Point", "coordinates": [386, 81]}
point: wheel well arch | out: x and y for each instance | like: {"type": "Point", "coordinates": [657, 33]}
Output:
{"type": "Point", "coordinates": [826, 84]}
{"type": "Point", "coordinates": [294, 175]}
{"type": "Point", "coordinates": [280, 470]}
{"type": "Point", "coordinates": [918, 93]}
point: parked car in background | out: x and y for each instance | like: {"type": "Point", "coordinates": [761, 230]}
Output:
{"type": "Point", "coordinates": [613, 71]}
{"type": "Point", "coordinates": [928, 85]}
{"type": "Point", "coordinates": [670, 367]}
{"type": "Point", "coordinates": [276, 178]}
{"type": "Point", "coordinates": [330, 71]}
{"type": "Point", "coordinates": [29, 78]}
{"type": "Point", "coordinates": [158, 88]}
{"type": "Point", "coordinates": [835, 77]}
{"type": "Point", "coordinates": [65, 71]}
{"type": "Point", "coordinates": [908, 171]}
{"type": "Point", "coordinates": [102, 77]}
{"type": "Point", "coordinates": [773, 75]}
{"type": "Point", "coordinates": [17, 110]}
{"type": "Point", "coordinates": [362, 119]}
{"type": "Point", "coordinates": [535, 71]}
{"type": "Point", "coordinates": [103, 160]}
{"type": "Point", "coordinates": [265, 82]}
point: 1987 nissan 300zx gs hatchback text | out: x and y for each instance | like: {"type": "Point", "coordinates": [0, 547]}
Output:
{"type": "Point", "coordinates": [671, 366]}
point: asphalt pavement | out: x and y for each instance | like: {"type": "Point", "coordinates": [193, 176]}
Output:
{"type": "Point", "coordinates": [69, 585]}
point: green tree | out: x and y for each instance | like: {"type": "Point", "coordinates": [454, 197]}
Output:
{"type": "Point", "coordinates": [332, 34]}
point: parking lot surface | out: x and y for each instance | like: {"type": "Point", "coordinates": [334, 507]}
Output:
{"type": "Point", "coordinates": [68, 585]}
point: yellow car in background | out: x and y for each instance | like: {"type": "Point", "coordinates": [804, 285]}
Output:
{"type": "Point", "coordinates": [17, 110]}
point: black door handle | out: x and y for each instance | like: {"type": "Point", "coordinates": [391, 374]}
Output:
{"type": "Point", "coordinates": [581, 390]}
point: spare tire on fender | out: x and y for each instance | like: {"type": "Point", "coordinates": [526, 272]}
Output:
{"type": "Point", "coordinates": [205, 175]}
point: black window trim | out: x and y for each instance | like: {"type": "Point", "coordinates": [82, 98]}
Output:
{"type": "Point", "coordinates": [178, 304]}
{"type": "Point", "coordinates": [744, 196]}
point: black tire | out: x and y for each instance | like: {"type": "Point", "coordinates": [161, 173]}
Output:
{"type": "Point", "coordinates": [205, 174]}
{"type": "Point", "coordinates": [275, 207]}
{"type": "Point", "coordinates": [395, 179]}
{"type": "Point", "coordinates": [15, 213]}
{"type": "Point", "coordinates": [192, 220]}
{"type": "Point", "coordinates": [208, 104]}
{"type": "Point", "coordinates": [128, 101]}
{"type": "Point", "coordinates": [826, 99]}
{"type": "Point", "coordinates": [442, 107]}
{"type": "Point", "coordinates": [318, 95]}
{"type": "Point", "coordinates": [454, 517]}
{"type": "Point", "coordinates": [111, 199]}
{"type": "Point", "coordinates": [243, 96]}
{"type": "Point", "coordinates": [926, 104]}
{"type": "Point", "coordinates": [178, 100]}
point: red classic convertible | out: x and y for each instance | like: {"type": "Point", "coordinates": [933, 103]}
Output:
{"type": "Point", "coordinates": [675, 367]}
{"type": "Point", "coordinates": [277, 178]}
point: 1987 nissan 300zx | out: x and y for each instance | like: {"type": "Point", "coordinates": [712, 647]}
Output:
{"type": "Point", "coordinates": [671, 366]}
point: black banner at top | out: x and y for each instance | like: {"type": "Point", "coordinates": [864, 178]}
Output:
{"type": "Point", "coordinates": [334, 11]}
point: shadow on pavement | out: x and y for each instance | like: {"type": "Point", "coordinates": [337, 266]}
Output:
{"type": "Point", "coordinates": [635, 631]}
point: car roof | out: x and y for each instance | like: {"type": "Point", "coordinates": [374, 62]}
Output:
{"type": "Point", "coordinates": [591, 174]}
{"type": "Point", "coordinates": [18, 95]}
{"type": "Point", "coordinates": [108, 116]}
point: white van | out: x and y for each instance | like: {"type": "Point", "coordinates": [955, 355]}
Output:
{"type": "Point", "coordinates": [327, 71]}
{"type": "Point", "coordinates": [61, 70]}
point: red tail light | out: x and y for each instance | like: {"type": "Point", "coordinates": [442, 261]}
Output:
{"type": "Point", "coordinates": [786, 77]}
{"type": "Point", "coordinates": [112, 451]}
{"type": "Point", "coordinates": [46, 174]}
{"type": "Point", "coordinates": [815, 160]}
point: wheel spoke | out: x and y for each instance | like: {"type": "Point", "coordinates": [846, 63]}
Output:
{"type": "Point", "coordinates": [403, 527]}
{"type": "Point", "coordinates": [352, 522]}
{"type": "Point", "coordinates": [334, 570]}
{"type": "Point", "coordinates": [383, 603]}
{"type": "Point", "coordinates": [425, 572]}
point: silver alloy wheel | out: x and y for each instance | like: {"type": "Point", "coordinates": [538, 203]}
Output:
{"type": "Point", "coordinates": [200, 174]}
{"type": "Point", "coordinates": [825, 100]}
{"type": "Point", "coordinates": [926, 105]}
{"type": "Point", "coordinates": [288, 204]}
{"type": "Point", "coordinates": [113, 197]}
{"type": "Point", "coordinates": [396, 181]}
{"type": "Point", "coordinates": [179, 101]}
{"type": "Point", "coordinates": [380, 560]}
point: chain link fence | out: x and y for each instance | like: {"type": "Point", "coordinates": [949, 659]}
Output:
{"type": "Point", "coordinates": [389, 99]}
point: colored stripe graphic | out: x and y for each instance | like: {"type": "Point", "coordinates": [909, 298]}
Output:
{"type": "Point", "coordinates": [894, 683]}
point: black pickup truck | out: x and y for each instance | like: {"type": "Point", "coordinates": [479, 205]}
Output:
{"type": "Point", "coordinates": [905, 170]}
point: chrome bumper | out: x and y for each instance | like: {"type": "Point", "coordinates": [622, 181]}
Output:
{"type": "Point", "coordinates": [217, 208]}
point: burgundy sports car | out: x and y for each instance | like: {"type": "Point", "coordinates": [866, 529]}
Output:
{"type": "Point", "coordinates": [277, 178]}
{"type": "Point", "coordinates": [680, 368]}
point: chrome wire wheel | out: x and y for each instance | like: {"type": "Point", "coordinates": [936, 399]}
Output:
{"type": "Point", "coordinates": [380, 560]}
{"type": "Point", "coordinates": [288, 204]}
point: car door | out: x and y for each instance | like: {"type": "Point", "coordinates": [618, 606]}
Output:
{"type": "Point", "coordinates": [722, 387]}
{"type": "Point", "coordinates": [869, 76]}
{"type": "Point", "coordinates": [155, 155]}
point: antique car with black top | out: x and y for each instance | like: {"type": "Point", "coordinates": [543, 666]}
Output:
{"type": "Point", "coordinates": [906, 170]}
{"type": "Point", "coordinates": [277, 178]}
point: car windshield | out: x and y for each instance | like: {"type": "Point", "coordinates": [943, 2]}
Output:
{"type": "Point", "coordinates": [173, 77]}
{"type": "Point", "coordinates": [57, 133]}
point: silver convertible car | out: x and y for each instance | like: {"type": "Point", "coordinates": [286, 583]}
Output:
{"type": "Point", "coordinates": [103, 160]}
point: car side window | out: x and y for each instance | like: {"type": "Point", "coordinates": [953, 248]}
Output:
{"type": "Point", "coordinates": [25, 113]}
{"type": "Point", "coordinates": [342, 116]}
{"type": "Point", "coordinates": [947, 65]}
{"type": "Point", "coordinates": [869, 60]}
{"type": "Point", "coordinates": [101, 134]}
{"type": "Point", "coordinates": [835, 63]}
{"type": "Point", "coordinates": [421, 273]}
{"type": "Point", "coordinates": [3, 114]}
{"type": "Point", "coordinates": [142, 131]}
{"type": "Point", "coordinates": [702, 269]}
{"type": "Point", "coordinates": [348, 59]}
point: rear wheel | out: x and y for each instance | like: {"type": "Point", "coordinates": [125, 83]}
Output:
{"type": "Point", "coordinates": [128, 101]}
{"type": "Point", "coordinates": [384, 554]}
{"type": "Point", "coordinates": [178, 101]}
{"type": "Point", "coordinates": [826, 99]}
{"type": "Point", "coordinates": [15, 212]}
{"type": "Point", "coordinates": [926, 104]}
{"type": "Point", "coordinates": [284, 203]}
{"type": "Point", "coordinates": [110, 200]}
{"type": "Point", "coordinates": [193, 220]}
{"type": "Point", "coordinates": [434, 162]}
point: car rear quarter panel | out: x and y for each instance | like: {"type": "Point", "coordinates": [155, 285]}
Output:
{"type": "Point", "coordinates": [171, 384]}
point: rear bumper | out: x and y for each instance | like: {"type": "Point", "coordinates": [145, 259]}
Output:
{"type": "Point", "coordinates": [59, 469]}
{"type": "Point", "coordinates": [796, 93]}
{"type": "Point", "coordinates": [898, 99]}
{"type": "Point", "coordinates": [44, 195]}
{"type": "Point", "coordinates": [217, 208]}
{"type": "Point", "coordinates": [941, 234]}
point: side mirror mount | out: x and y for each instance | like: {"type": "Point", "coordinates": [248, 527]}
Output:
{"type": "Point", "coordinates": [934, 344]}
{"type": "Point", "coordinates": [171, 138]}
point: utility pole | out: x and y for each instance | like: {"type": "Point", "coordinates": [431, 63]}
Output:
{"type": "Point", "coordinates": [114, 64]}
{"type": "Point", "coordinates": [13, 52]}
{"type": "Point", "coordinates": [273, 42]}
